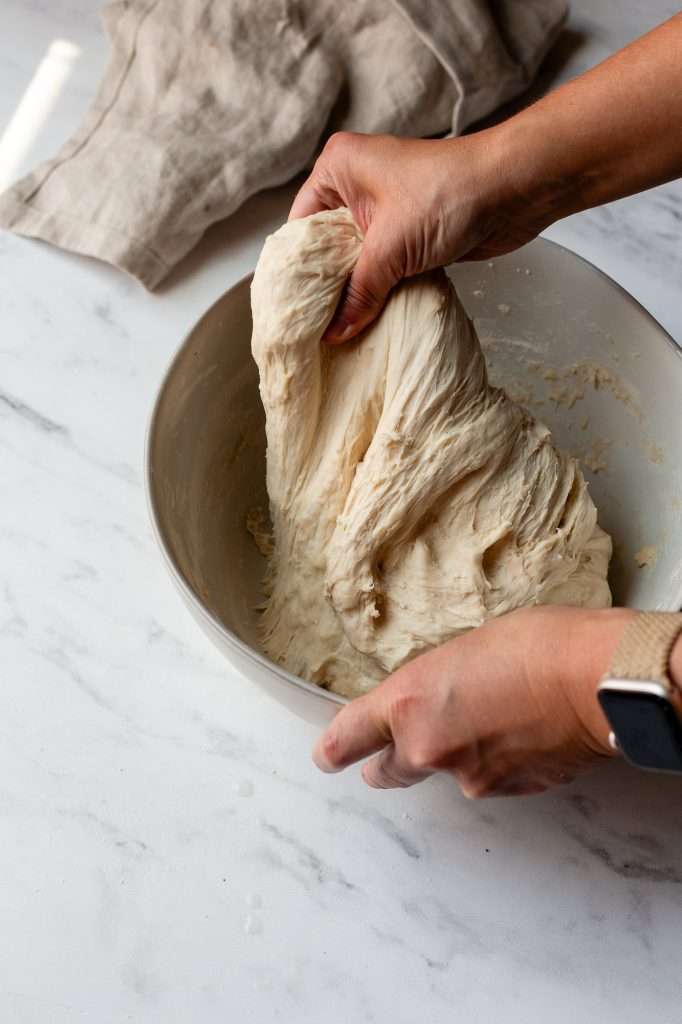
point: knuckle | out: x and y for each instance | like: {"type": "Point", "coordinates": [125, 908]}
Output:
{"type": "Point", "coordinates": [425, 758]}
{"type": "Point", "coordinates": [405, 704]}
{"type": "Point", "coordinates": [433, 754]}
{"type": "Point", "coordinates": [337, 144]}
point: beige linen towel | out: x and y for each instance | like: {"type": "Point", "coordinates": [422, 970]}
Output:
{"type": "Point", "coordinates": [206, 102]}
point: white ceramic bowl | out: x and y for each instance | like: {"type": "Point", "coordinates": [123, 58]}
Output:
{"type": "Point", "coordinates": [564, 338]}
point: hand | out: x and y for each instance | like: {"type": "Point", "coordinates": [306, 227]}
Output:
{"type": "Point", "coordinates": [422, 203]}
{"type": "Point", "coordinates": [507, 709]}
{"type": "Point", "coordinates": [419, 203]}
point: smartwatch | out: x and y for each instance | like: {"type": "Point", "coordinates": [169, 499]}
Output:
{"type": "Point", "coordinates": [636, 694]}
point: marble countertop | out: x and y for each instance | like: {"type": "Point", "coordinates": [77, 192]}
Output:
{"type": "Point", "coordinates": [168, 852]}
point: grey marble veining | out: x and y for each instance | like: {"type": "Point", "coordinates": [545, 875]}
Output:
{"type": "Point", "coordinates": [167, 850]}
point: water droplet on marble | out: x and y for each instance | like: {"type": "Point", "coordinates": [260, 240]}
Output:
{"type": "Point", "coordinates": [478, 293]}
{"type": "Point", "coordinates": [504, 308]}
{"type": "Point", "coordinates": [243, 788]}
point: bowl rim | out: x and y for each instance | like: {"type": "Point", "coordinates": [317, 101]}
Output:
{"type": "Point", "coordinates": [177, 576]}
{"type": "Point", "coordinates": [188, 592]}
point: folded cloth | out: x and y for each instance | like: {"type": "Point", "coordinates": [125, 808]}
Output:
{"type": "Point", "coordinates": [206, 102]}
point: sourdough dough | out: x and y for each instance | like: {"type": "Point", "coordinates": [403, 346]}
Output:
{"type": "Point", "coordinates": [409, 499]}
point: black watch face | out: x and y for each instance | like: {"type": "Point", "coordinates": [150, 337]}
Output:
{"type": "Point", "coordinates": [647, 728]}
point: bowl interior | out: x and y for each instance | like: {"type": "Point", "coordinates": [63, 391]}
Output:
{"type": "Point", "coordinates": [562, 337]}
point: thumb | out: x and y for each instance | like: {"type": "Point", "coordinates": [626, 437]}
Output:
{"type": "Point", "coordinates": [364, 294]}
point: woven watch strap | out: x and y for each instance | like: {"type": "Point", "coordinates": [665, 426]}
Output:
{"type": "Point", "coordinates": [645, 646]}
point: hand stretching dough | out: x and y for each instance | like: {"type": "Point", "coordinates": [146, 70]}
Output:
{"type": "Point", "coordinates": [410, 500]}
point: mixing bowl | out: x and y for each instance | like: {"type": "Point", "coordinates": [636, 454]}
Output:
{"type": "Point", "coordinates": [561, 336]}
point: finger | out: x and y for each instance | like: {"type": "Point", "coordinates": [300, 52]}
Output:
{"type": "Point", "coordinates": [389, 770]}
{"type": "Point", "coordinates": [358, 730]}
{"type": "Point", "coordinates": [365, 293]}
{"type": "Point", "coordinates": [516, 785]}
{"type": "Point", "coordinates": [307, 201]}
{"type": "Point", "coordinates": [312, 197]}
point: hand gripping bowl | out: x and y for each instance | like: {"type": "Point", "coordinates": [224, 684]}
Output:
{"type": "Point", "coordinates": [560, 335]}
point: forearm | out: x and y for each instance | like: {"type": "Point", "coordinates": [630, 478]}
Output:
{"type": "Point", "coordinates": [422, 203]}
{"type": "Point", "coordinates": [612, 132]}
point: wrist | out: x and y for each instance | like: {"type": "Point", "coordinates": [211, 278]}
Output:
{"type": "Point", "coordinates": [588, 644]}
{"type": "Point", "coordinates": [543, 176]}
